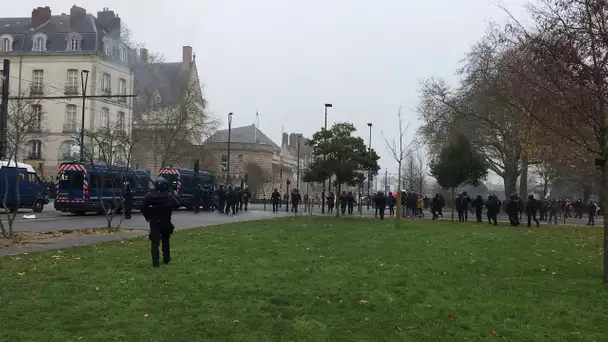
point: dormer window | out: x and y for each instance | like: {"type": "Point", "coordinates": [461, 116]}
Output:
{"type": "Point", "coordinates": [122, 54]}
{"type": "Point", "coordinates": [74, 42]}
{"type": "Point", "coordinates": [6, 43]}
{"type": "Point", "coordinates": [39, 42]}
{"type": "Point", "coordinates": [107, 46]}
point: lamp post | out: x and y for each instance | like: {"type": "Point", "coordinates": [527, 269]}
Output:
{"type": "Point", "coordinates": [228, 161]}
{"type": "Point", "coordinates": [84, 79]}
{"type": "Point", "coordinates": [369, 172]}
{"type": "Point", "coordinates": [327, 105]}
{"type": "Point", "coordinates": [298, 168]}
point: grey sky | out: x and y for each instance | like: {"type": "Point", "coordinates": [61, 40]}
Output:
{"type": "Point", "coordinates": [287, 58]}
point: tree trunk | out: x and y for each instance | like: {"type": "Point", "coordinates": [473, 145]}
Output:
{"type": "Point", "coordinates": [604, 206]}
{"type": "Point", "coordinates": [453, 201]}
{"type": "Point", "coordinates": [399, 209]}
{"type": "Point", "coordinates": [338, 203]}
{"type": "Point", "coordinates": [523, 177]}
{"type": "Point", "coordinates": [510, 180]}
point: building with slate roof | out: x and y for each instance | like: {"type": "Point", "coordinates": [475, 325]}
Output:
{"type": "Point", "coordinates": [249, 145]}
{"type": "Point", "coordinates": [48, 52]}
{"type": "Point", "coordinates": [170, 120]}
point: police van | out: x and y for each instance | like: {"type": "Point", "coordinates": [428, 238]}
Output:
{"type": "Point", "coordinates": [22, 187]}
{"type": "Point", "coordinates": [84, 187]}
{"type": "Point", "coordinates": [184, 183]}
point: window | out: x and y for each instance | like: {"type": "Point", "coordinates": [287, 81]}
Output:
{"type": "Point", "coordinates": [74, 41]}
{"type": "Point", "coordinates": [7, 44]}
{"type": "Point", "coordinates": [122, 54]}
{"type": "Point", "coordinates": [36, 124]}
{"type": "Point", "coordinates": [37, 82]}
{"type": "Point", "coordinates": [223, 162]}
{"type": "Point", "coordinates": [65, 151]}
{"type": "Point", "coordinates": [107, 48]}
{"type": "Point", "coordinates": [71, 86]}
{"type": "Point", "coordinates": [105, 117]}
{"type": "Point", "coordinates": [106, 84]}
{"type": "Point", "coordinates": [39, 43]}
{"type": "Point", "coordinates": [70, 122]}
{"type": "Point", "coordinates": [35, 149]}
{"type": "Point", "coordinates": [121, 121]}
{"type": "Point", "coordinates": [38, 77]}
{"type": "Point", "coordinates": [122, 89]}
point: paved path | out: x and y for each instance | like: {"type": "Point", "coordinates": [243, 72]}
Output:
{"type": "Point", "coordinates": [181, 220]}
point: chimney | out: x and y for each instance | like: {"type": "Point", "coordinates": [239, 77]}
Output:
{"type": "Point", "coordinates": [76, 15]}
{"type": "Point", "coordinates": [143, 55]}
{"type": "Point", "coordinates": [293, 140]}
{"type": "Point", "coordinates": [285, 140]}
{"type": "Point", "coordinates": [187, 55]}
{"type": "Point", "coordinates": [40, 16]}
{"type": "Point", "coordinates": [115, 26]}
{"type": "Point", "coordinates": [106, 16]}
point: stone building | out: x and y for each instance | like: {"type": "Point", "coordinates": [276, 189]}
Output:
{"type": "Point", "coordinates": [250, 148]}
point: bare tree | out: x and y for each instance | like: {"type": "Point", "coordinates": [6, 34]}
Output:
{"type": "Point", "coordinates": [399, 150]}
{"type": "Point", "coordinates": [256, 178]}
{"type": "Point", "coordinates": [170, 112]}
{"type": "Point", "coordinates": [25, 124]}
{"type": "Point", "coordinates": [545, 175]}
{"type": "Point", "coordinates": [112, 147]}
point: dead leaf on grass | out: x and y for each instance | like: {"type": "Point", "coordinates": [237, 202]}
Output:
{"type": "Point", "coordinates": [492, 333]}
{"type": "Point", "coordinates": [451, 317]}
{"type": "Point", "coordinates": [20, 273]}
{"type": "Point", "coordinates": [397, 328]}
{"type": "Point", "coordinates": [472, 261]}
{"type": "Point", "coordinates": [96, 288]}
{"type": "Point", "coordinates": [365, 285]}
{"type": "Point", "coordinates": [576, 333]}
{"type": "Point", "coordinates": [363, 301]}
{"type": "Point", "coordinates": [146, 315]}
{"type": "Point", "coordinates": [235, 321]}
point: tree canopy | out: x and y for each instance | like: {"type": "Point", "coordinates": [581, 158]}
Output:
{"type": "Point", "coordinates": [457, 164]}
{"type": "Point", "coordinates": [339, 154]}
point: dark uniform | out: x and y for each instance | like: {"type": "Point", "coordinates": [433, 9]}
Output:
{"type": "Point", "coordinates": [478, 204]}
{"type": "Point", "coordinates": [196, 199]}
{"type": "Point", "coordinates": [296, 198]}
{"type": "Point", "coordinates": [493, 205]}
{"type": "Point", "coordinates": [531, 210]}
{"type": "Point", "coordinates": [350, 202]}
{"type": "Point", "coordinates": [157, 208]}
{"type": "Point", "coordinates": [127, 200]}
{"type": "Point", "coordinates": [513, 210]}
{"type": "Point", "coordinates": [380, 202]}
{"type": "Point", "coordinates": [221, 199]}
{"type": "Point", "coordinates": [276, 199]}
{"type": "Point", "coordinates": [246, 198]}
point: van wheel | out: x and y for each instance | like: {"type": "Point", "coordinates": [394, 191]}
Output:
{"type": "Point", "coordinates": [38, 206]}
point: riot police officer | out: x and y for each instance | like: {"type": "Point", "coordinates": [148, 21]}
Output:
{"type": "Point", "coordinates": [127, 200]}
{"type": "Point", "coordinates": [158, 206]}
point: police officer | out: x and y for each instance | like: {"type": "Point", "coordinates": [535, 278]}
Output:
{"type": "Point", "coordinates": [196, 200]}
{"type": "Point", "coordinates": [513, 209]}
{"type": "Point", "coordinates": [127, 200]}
{"type": "Point", "coordinates": [246, 197]}
{"type": "Point", "coordinates": [276, 199]}
{"type": "Point", "coordinates": [157, 208]}
{"type": "Point", "coordinates": [221, 199]}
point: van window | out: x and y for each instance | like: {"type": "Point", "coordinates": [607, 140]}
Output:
{"type": "Point", "coordinates": [74, 178]}
{"type": "Point", "coordinates": [94, 183]}
{"type": "Point", "coordinates": [32, 178]}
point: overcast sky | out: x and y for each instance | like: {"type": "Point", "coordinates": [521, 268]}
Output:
{"type": "Point", "coordinates": [287, 58]}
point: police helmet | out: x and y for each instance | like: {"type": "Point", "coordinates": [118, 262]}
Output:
{"type": "Point", "coordinates": [161, 184]}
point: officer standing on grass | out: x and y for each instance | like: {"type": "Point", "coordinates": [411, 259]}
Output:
{"type": "Point", "coordinates": [158, 206]}
{"type": "Point", "coordinates": [127, 200]}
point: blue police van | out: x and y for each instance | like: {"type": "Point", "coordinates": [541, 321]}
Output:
{"type": "Point", "coordinates": [32, 191]}
{"type": "Point", "coordinates": [184, 183]}
{"type": "Point", "coordinates": [83, 187]}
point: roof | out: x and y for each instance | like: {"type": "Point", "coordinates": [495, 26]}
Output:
{"type": "Point", "coordinates": [169, 79]}
{"type": "Point", "coordinates": [27, 167]}
{"type": "Point", "coordinates": [246, 134]}
{"type": "Point", "coordinates": [57, 30]}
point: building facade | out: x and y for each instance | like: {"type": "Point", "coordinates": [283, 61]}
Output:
{"type": "Point", "coordinates": [51, 56]}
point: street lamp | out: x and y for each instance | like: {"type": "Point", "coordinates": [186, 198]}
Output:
{"type": "Point", "coordinates": [298, 169]}
{"type": "Point", "coordinates": [84, 79]}
{"type": "Point", "coordinates": [327, 105]}
{"type": "Point", "coordinates": [228, 161]}
{"type": "Point", "coordinates": [369, 172]}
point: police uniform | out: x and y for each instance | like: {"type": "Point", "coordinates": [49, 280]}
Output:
{"type": "Point", "coordinates": [158, 206]}
{"type": "Point", "coordinates": [127, 200]}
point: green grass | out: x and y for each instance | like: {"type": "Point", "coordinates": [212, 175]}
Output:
{"type": "Point", "coordinates": [306, 278]}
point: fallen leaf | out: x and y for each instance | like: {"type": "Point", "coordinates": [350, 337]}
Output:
{"type": "Point", "coordinates": [576, 333]}
{"type": "Point", "coordinates": [493, 333]}
{"type": "Point", "coordinates": [472, 262]}
{"type": "Point", "coordinates": [451, 317]}
{"type": "Point", "coordinates": [554, 273]}
{"type": "Point", "coordinates": [96, 288]}
{"type": "Point", "coordinates": [146, 315]}
{"type": "Point", "coordinates": [235, 321]}
{"type": "Point", "coordinates": [365, 285]}
{"type": "Point", "coordinates": [363, 301]}
{"type": "Point", "coordinates": [20, 273]}
{"type": "Point", "coordinates": [317, 297]}
{"type": "Point", "coordinates": [398, 329]}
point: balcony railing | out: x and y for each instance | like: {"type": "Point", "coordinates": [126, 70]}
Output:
{"type": "Point", "coordinates": [34, 156]}
{"type": "Point", "coordinates": [36, 89]}
{"type": "Point", "coordinates": [106, 91]}
{"type": "Point", "coordinates": [71, 89]}
{"type": "Point", "coordinates": [70, 128]}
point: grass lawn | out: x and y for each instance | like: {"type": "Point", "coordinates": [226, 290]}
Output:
{"type": "Point", "coordinates": [316, 279]}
